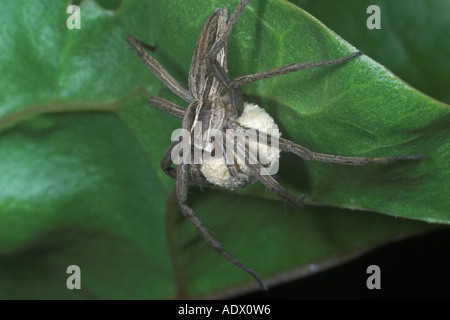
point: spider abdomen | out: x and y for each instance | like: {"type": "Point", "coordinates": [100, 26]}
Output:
{"type": "Point", "coordinates": [230, 170]}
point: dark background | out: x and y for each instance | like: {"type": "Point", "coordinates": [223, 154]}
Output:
{"type": "Point", "coordinates": [416, 268]}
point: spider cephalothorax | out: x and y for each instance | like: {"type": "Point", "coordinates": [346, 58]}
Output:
{"type": "Point", "coordinates": [216, 105]}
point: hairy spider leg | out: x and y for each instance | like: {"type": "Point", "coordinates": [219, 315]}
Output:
{"type": "Point", "coordinates": [304, 153]}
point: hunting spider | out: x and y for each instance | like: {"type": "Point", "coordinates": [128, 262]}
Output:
{"type": "Point", "coordinates": [215, 101]}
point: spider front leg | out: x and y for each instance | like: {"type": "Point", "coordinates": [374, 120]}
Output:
{"type": "Point", "coordinates": [290, 68]}
{"type": "Point", "coordinates": [217, 69]}
{"type": "Point", "coordinates": [234, 92]}
{"type": "Point", "coordinates": [220, 43]}
{"type": "Point", "coordinates": [182, 192]}
{"type": "Point", "coordinates": [167, 106]}
{"type": "Point", "coordinates": [159, 70]}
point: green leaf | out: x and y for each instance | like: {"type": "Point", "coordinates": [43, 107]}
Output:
{"type": "Point", "coordinates": [409, 43]}
{"type": "Point", "coordinates": [80, 181]}
{"type": "Point", "coordinates": [69, 196]}
{"type": "Point", "coordinates": [275, 240]}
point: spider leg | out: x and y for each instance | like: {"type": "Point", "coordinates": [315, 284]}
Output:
{"type": "Point", "coordinates": [182, 192]}
{"type": "Point", "coordinates": [268, 180]}
{"type": "Point", "coordinates": [306, 154]}
{"type": "Point", "coordinates": [159, 70]}
{"type": "Point", "coordinates": [232, 168]}
{"type": "Point", "coordinates": [166, 162]}
{"type": "Point", "coordinates": [196, 178]}
{"type": "Point", "coordinates": [217, 69]}
{"type": "Point", "coordinates": [289, 69]}
{"type": "Point", "coordinates": [147, 46]}
{"type": "Point", "coordinates": [233, 92]}
{"type": "Point", "coordinates": [270, 183]}
{"type": "Point", "coordinates": [167, 106]}
{"type": "Point", "coordinates": [220, 43]}
{"type": "Point", "coordinates": [234, 172]}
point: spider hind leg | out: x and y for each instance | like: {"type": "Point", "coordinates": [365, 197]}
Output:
{"type": "Point", "coordinates": [182, 193]}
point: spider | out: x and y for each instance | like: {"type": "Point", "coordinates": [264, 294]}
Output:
{"type": "Point", "coordinates": [215, 102]}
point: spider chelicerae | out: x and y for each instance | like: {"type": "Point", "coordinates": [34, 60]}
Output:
{"type": "Point", "coordinates": [215, 103]}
